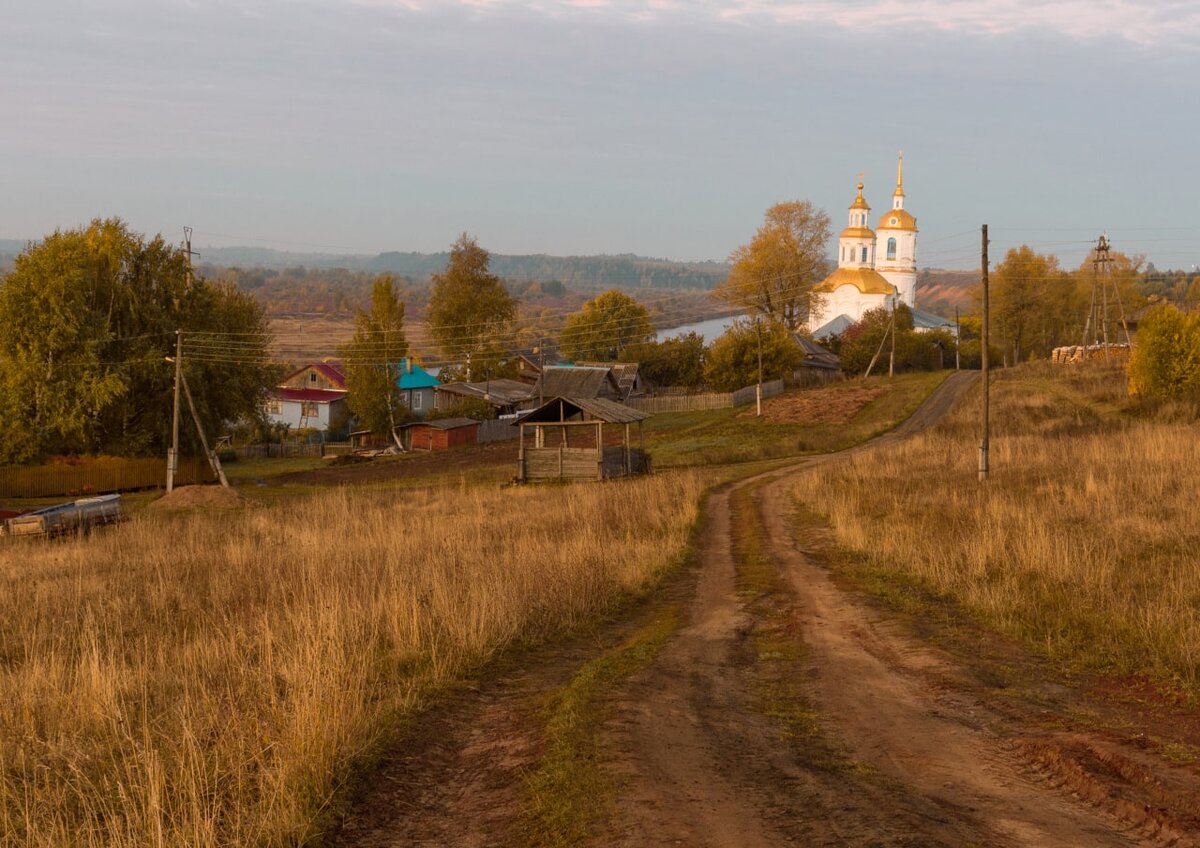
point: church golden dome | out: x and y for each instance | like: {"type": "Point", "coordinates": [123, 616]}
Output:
{"type": "Point", "coordinates": [860, 202]}
{"type": "Point", "coordinates": [897, 219]}
{"type": "Point", "coordinates": [857, 233]}
{"type": "Point", "coordinates": [865, 280]}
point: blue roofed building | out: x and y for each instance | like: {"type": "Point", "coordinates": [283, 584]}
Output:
{"type": "Point", "coordinates": [416, 387]}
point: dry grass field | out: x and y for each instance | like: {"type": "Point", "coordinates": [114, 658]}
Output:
{"type": "Point", "coordinates": [1084, 544]}
{"type": "Point", "coordinates": [214, 680]}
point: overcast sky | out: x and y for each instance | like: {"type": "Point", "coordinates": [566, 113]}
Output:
{"type": "Point", "coordinates": [603, 126]}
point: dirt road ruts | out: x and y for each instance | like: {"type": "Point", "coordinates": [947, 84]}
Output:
{"type": "Point", "coordinates": [701, 765]}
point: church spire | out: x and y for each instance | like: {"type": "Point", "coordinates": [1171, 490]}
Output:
{"type": "Point", "coordinates": [898, 194]}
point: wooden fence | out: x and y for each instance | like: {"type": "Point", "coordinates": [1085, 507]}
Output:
{"type": "Point", "coordinates": [497, 430]}
{"type": "Point", "coordinates": [99, 477]}
{"type": "Point", "coordinates": [274, 449]}
{"type": "Point", "coordinates": [704, 402]}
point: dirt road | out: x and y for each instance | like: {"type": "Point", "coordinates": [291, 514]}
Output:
{"type": "Point", "coordinates": [789, 711]}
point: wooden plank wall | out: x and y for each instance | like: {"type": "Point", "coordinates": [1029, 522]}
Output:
{"type": "Point", "coordinates": [88, 478]}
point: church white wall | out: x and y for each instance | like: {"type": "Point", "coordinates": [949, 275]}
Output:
{"type": "Point", "coordinates": [845, 300]}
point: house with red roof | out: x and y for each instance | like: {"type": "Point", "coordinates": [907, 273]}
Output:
{"type": "Point", "coordinates": [311, 398]}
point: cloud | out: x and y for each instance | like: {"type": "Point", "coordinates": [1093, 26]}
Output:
{"type": "Point", "coordinates": [1140, 22]}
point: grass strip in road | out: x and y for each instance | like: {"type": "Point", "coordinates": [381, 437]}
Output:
{"type": "Point", "coordinates": [775, 642]}
{"type": "Point", "coordinates": [568, 791]}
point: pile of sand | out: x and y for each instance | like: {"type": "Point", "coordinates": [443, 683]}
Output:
{"type": "Point", "coordinates": [206, 497]}
{"type": "Point", "coordinates": [833, 405]}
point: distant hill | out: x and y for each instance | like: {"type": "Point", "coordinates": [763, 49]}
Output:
{"type": "Point", "coordinates": [576, 272]}
{"type": "Point", "coordinates": [940, 291]}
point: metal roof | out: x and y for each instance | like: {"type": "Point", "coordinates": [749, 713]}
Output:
{"type": "Point", "coordinates": [577, 382]}
{"type": "Point", "coordinates": [331, 370]}
{"type": "Point", "coordinates": [816, 356]}
{"type": "Point", "coordinates": [560, 409]}
{"type": "Point", "coordinates": [502, 390]}
{"type": "Point", "coordinates": [309, 395]}
{"type": "Point", "coordinates": [413, 376]}
{"type": "Point", "coordinates": [442, 423]}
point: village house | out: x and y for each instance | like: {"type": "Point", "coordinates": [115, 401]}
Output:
{"type": "Point", "coordinates": [310, 398]}
{"type": "Point", "coordinates": [578, 381]}
{"type": "Point", "coordinates": [506, 397]}
{"type": "Point", "coordinates": [417, 388]}
{"type": "Point", "coordinates": [626, 374]}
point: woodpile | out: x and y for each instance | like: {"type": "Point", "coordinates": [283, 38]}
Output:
{"type": "Point", "coordinates": [1080, 353]}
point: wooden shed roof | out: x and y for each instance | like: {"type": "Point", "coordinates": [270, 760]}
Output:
{"type": "Point", "coordinates": [561, 409]}
{"type": "Point", "coordinates": [577, 382]}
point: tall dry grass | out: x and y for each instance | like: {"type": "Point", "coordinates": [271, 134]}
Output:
{"type": "Point", "coordinates": [211, 680]}
{"type": "Point", "coordinates": [1085, 543]}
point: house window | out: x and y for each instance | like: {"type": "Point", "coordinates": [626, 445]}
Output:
{"type": "Point", "coordinates": [308, 410]}
{"type": "Point", "coordinates": [312, 376]}
{"type": "Point", "coordinates": [891, 254]}
{"type": "Point", "coordinates": [416, 401]}
{"type": "Point", "coordinates": [274, 407]}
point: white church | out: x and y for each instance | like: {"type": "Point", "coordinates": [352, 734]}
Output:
{"type": "Point", "coordinates": [876, 268]}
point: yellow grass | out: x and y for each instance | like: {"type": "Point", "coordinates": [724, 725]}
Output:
{"type": "Point", "coordinates": [1085, 543]}
{"type": "Point", "coordinates": [212, 680]}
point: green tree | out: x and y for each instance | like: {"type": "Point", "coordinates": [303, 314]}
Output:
{"type": "Point", "coordinates": [1165, 364]}
{"type": "Point", "coordinates": [1035, 305]}
{"type": "Point", "coordinates": [915, 351]}
{"type": "Point", "coordinates": [775, 273]}
{"type": "Point", "coordinates": [87, 318]}
{"type": "Point", "coordinates": [470, 311]}
{"type": "Point", "coordinates": [373, 359]}
{"type": "Point", "coordinates": [605, 326]}
{"type": "Point", "coordinates": [732, 360]}
{"type": "Point", "coordinates": [677, 361]}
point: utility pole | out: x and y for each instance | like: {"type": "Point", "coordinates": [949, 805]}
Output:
{"type": "Point", "coordinates": [983, 445]}
{"type": "Point", "coordinates": [187, 250]}
{"type": "Point", "coordinates": [173, 455]}
{"type": "Point", "coordinates": [213, 459]}
{"type": "Point", "coordinates": [541, 370]}
{"type": "Point", "coordinates": [892, 355]}
{"type": "Point", "coordinates": [758, 389]}
{"type": "Point", "coordinates": [957, 340]}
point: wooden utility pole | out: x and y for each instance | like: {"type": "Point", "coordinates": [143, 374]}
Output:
{"type": "Point", "coordinates": [892, 355]}
{"type": "Point", "coordinates": [957, 340]}
{"type": "Point", "coordinates": [173, 455]}
{"type": "Point", "coordinates": [213, 459]}
{"type": "Point", "coordinates": [758, 389]}
{"type": "Point", "coordinates": [983, 356]}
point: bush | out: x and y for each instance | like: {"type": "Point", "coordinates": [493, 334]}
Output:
{"type": "Point", "coordinates": [732, 360]}
{"type": "Point", "coordinates": [1165, 364]}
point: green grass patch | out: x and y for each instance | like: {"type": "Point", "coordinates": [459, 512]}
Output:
{"type": "Point", "coordinates": [737, 435]}
{"type": "Point", "coordinates": [568, 792]}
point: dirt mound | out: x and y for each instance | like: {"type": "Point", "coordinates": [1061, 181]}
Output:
{"type": "Point", "coordinates": [207, 497]}
{"type": "Point", "coordinates": [834, 405]}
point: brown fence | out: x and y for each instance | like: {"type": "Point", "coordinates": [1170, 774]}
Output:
{"type": "Point", "coordinates": [704, 402]}
{"type": "Point", "coordinates": [274, 449]}
{"type": "Point", "coordinates": [497, 430]}
{"type": "Point", "coordinates": [98, 477]}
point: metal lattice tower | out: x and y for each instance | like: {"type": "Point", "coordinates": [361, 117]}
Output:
{"type": "Point", "coordinates": [1104, 283]}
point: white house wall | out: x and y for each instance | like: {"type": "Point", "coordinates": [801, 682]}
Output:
{"type": "Point", "coordinates": [290, 414]}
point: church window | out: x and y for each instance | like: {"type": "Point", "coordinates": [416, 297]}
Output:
{"type": "Point", "coordinates": [864, 254]}
{"type": "Point", "coordinates": [891, 250]}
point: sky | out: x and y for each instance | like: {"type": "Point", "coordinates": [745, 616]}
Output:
{"type": "Point", "coordinates": [663, 128]}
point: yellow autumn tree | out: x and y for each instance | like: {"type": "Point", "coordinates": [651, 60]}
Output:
{"type": "Point", "coordinates": [775, 273]}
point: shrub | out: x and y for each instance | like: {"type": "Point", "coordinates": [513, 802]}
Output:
{"type": "Point", "coordinates": [1165, 364]}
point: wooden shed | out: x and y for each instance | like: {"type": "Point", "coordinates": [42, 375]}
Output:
{"type": "Point", "coordinates": [439, 435]}
{"type": "Point", "coordinates": [580, 439]}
